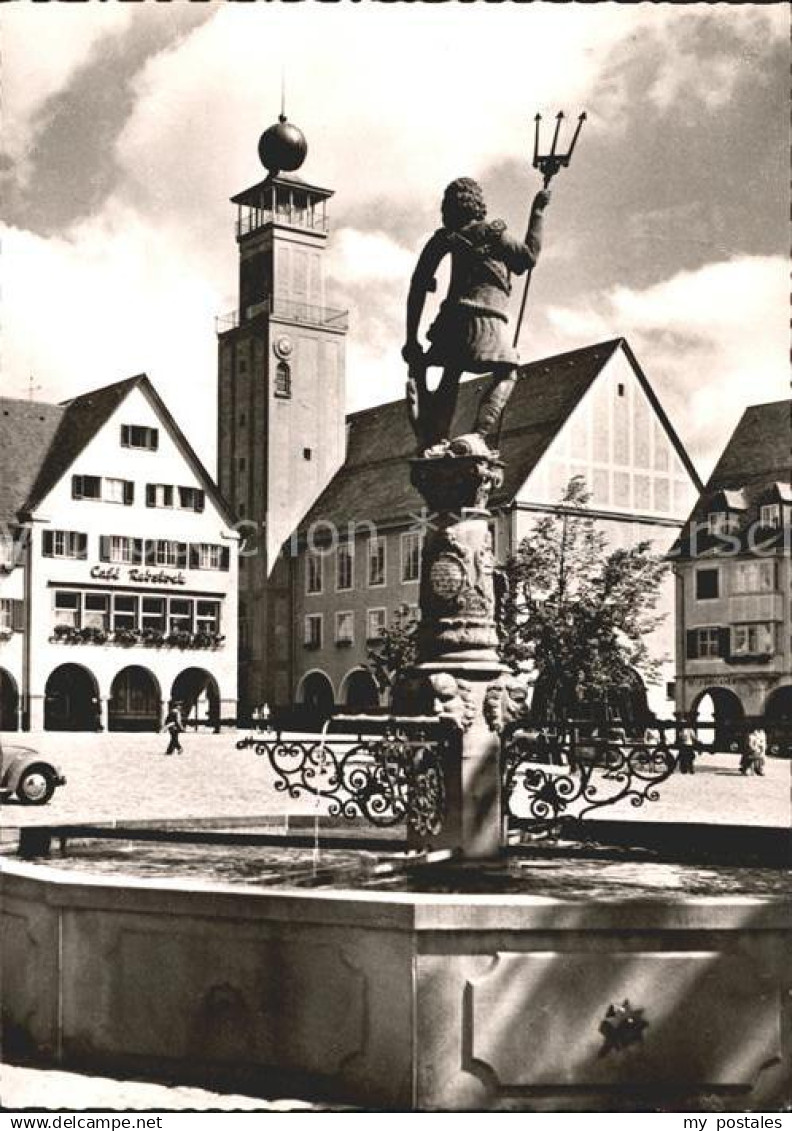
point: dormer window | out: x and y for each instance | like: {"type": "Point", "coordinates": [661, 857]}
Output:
{"type": "Point", "coordinates": [722, 522]}
{"type": "Point", "coordinates": [770, 516]}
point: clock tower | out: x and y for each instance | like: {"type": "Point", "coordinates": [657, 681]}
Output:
{"type": "Point", "coordinates": [281, 399]}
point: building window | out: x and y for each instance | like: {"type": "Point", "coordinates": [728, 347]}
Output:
{"type": "Point", "coordinates": [344, 629]}
{"type": "Point", "coordinates": [180, 615]}
{"type": "Point", "coordinates": [344, 567]}
{"type": "Point", "coordinates": [86, 487]}
{"type": "Point", "coordinates": [376, 621]}
{"type": "Point", "coordinates": [207, 616]}
{"type": "Point", "coordinates": [139, 436]}
{"type": "Point", "coordinates": [165, 553]}
{"type": "Point", "coordinates": [770, 516]}
{"type": "Point", "coordinates": [753, 640]}
{"type": "Point", "coordinates": [67, 608]}
{"type": "Point", "coordinates": [207, 555]}
{"type": "Point", "coordinates": [159, 495]}
{"type": "Point", "coordinates": [376, 561]}
{"type": "Point", "coordinates": [191, 499]}
{"type": "Point", "coordinates": [125, 612]}
{"type": "Point", "coordinates": [754, 577]}
{"type": "Point", "coordinates": [722, 522]}
{"type": "Point", "coordinates": [64, 544]}
{"type": "Point", "coordinates": [96, 610]}
{"type": "Point", "coordinates": [121, 550]}
{"type": "Point", "coordinates": [11, 616]}
{"type": "Point", "coordinates": [242, 463]}
{"type": "Point", "coordinates": [708, 643]}
{"type": "Point", "coordinates": [282, 380]}
{"type": "Point", "coordinates": [411, 556]}
{"type": "Point", "coordinates": [313, 630]}
{"type": "Point", "coordinates": [118, 491]}
{"type": "Point", "coordinates": [313, 582]}
{"type": "Point", "coordinates": [8, 551]}
{"type": "Point", "coordinates": [707, 584]}
{"type": "Point", "coordinates": [242, 420]}
{"type": "Point", "coordinates": [307, 454]}
{"type": "Point", "coordinates": [152, 614]}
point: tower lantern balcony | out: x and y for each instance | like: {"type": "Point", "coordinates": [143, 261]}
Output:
{"type": "Point", "coordinates": [284, 201]}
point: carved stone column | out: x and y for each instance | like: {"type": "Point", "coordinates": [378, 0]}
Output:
{"type": "Point", "coordinates": [457, 643]}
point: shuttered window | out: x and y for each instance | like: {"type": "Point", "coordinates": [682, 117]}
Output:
{"type": "Point", "coordinates": [64, 544]}
{"type": "Point", "coordinates": [12, 615]}
{"type": "Point", "coordinates": [120, 549]}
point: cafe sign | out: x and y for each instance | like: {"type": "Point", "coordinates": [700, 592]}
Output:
{"type": "Point", "coordinates": [140, 575]}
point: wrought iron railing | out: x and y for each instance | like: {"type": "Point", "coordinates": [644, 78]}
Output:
{"type": "Point", "coordinates": [387, 770]}
{"type": "Point", "coordinates": [546, 777]}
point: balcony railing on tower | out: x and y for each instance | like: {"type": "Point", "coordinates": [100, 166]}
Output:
{"type": "Point", "coordinates": [293, 211]}
{"type": "Point", "coordinates": [291, 310]}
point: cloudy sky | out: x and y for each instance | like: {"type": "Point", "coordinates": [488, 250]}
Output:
{"type": "Point", "coordinates": [126, 128]}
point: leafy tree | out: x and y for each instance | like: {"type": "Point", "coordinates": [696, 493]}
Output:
{"type": "Point", "coordinates": [394, 649]}
{"type": "Point", "coordinates": [580, 614]}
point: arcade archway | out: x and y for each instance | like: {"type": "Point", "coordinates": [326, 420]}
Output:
{"type": "Point", "coordinates": [9, 701]}
{"type": "Point", "coordinates": [71, 699]}
{"type": "Point", "coordinates": [359, 691]}
{"type": "Point", "coordinates": [135, 701]}
{"type": "Point", "coordinates": [198, 693]}
{"type": "Point", "coordinates": [316, 696]}
{"type": "Point", "coordinates": [778, 720]}
{"type": "Point", "coordinates": [719, 715]}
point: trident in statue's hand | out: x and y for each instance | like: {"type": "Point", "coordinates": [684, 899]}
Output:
{"type": "Point", "coordinates": [548, 165]}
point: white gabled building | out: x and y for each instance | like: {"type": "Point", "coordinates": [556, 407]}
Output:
{"type": "Point", "coordinates": [591, 412]}
{"type": "Point", "coordinates": [118, 577]}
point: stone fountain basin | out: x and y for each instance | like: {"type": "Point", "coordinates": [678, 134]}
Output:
{"type": "Point", "coordinates": [402, 1000]}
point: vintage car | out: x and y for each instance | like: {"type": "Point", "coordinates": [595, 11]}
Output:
{"type": "Point", "coordinates": [25, 774]}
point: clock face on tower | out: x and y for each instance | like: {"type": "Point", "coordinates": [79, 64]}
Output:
{"type": "Point", "coordinates": [283, 346]}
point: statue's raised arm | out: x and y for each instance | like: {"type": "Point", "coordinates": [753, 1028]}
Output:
{"type": "Point", "coordinates": [470, 333]}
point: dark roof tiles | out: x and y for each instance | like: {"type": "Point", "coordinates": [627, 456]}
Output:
{"type": "Point", "coordinates": [374, 482]}
{"type": "Point", "coordinates": [27, 430]}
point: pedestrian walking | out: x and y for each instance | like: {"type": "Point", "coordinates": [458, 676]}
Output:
{"type": "Point", "coordinates": [753, 759]}
{"type": "Point", "coordinates": [264, 716]}
{"type": "Point", "coordinates": [686, 741]}
{"type": "Point", "coordinates": [175, 727]}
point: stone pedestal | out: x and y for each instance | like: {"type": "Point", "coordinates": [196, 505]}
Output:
{"type": "Point", "coordinates": [457, 643]}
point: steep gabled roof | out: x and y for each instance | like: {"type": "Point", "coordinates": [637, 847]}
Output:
{"type": "Point", "coordinates": [760, 448]}
{"type": "Point", "coordinates": [76, 422]}
{"type": "Point", "coordinates": [81, 420]}
{"type": "Point", "coordinates": [374, 482]}
{"type": "Point", "coordinates": [27, 429]}
{"type": "Point", "coordinates": [755, 465]}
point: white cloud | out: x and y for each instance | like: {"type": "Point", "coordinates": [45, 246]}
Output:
{"type": "Point", "coordinates": [116, 297]}
{"type": "Point", "coordinates": [712, 341]}
{"type": "Point", "coordinates": [394, 103]}
{"type": "Point", "coordinates": [366, 256]}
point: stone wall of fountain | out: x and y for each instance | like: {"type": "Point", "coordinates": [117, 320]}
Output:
{"type": "Point", "coordinates": [398, 1000]}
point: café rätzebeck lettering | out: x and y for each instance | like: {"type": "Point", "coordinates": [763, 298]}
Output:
{"type": "Point", "coordinates": [134, 573]}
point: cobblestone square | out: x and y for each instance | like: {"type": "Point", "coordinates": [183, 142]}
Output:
{"type": "Point", "coordinates": [127, 777]}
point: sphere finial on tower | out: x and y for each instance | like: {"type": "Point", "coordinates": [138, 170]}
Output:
{"type": "Point", "coordinates": [282, 148]}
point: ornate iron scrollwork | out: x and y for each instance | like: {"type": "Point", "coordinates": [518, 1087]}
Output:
{"type": "Point", "coordinates": [545, 778]}
{"type": "Point", "coordinates": [388, 778]}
